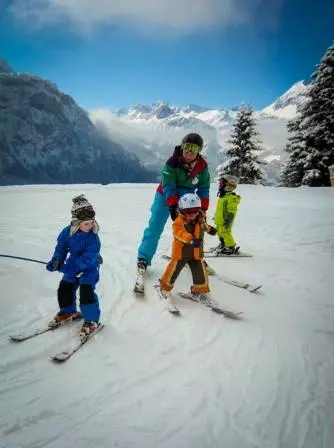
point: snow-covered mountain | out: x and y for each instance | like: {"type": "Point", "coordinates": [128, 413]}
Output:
{"type": "Point", "coordinates": [142, 130]}
{"type": "Point", "coordinates": [45, 137]}
{"type": "Point", "coordinates": [286, 105]}
{"type": "Point", "coordinates": [152, 130]}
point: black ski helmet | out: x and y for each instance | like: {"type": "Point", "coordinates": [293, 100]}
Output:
{"type": "Point", "coordinates": [193, 138]}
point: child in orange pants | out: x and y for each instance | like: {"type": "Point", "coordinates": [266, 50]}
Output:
{"type": "Point", "coordinates": [188, 230]}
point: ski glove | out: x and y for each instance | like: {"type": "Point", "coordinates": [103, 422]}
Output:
{"type": "Point", "coordinates": [53, 265]}
{"type": "Point", "coordinates": [173, 212]}
{"type": "Point", "coordinates": [212, 231]}
{"type": "Point", "coordinates": [196, 242]}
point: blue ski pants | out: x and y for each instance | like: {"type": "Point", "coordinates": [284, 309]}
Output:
{"type": "Point", "coordinates": [152, 233]}
{"type": "Point", "coordinates": [89, 302]}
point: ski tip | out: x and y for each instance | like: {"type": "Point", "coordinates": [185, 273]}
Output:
{"type": "Point", "coordinates": [139, 294]}
{"type": "Point", "coordinates": [139, 289]}
{"type": "Point", "coordinates": [175, 312]}
{"type": "Point", "coordinates": [228, 314]}
{"type": "Point", "coordinates": [234, 316]}
{"type": "Point", "coordinates": [61, 357]}
{"type": "Point", "coordinates": [16, 338]}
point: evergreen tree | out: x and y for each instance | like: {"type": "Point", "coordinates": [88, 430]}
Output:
{"type": "Point", "coordinates": [244, 142]}
{"type": "Point", "coordinates": [292, 171]}
{"type": "Point", "coordinates": [311, 141]}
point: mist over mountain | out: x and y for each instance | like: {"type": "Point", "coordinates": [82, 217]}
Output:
{"type": "Point", "coordinates": [151, 131]}
{"type": "Point", "coordinates": [45, 137]}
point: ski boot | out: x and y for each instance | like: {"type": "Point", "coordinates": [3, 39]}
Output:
{"type": "Point", "coordinates": [170, 305]}
{"type": "Point", "coordinates": [203, 297]}
{"type": "Point", "coordinates": [141, 266]}
{"type": "Point", "coordinates": [61, 317]}
{"type": "Point", "coordinates": [219, 246]}
{"type": "Point", "coordinates": [224, 250]}
{"type": "Point", "coordinates": [87, 329]}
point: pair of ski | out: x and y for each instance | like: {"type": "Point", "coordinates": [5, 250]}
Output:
{"type": "Point", "coordinates": [63, 355]}
{"type": "Point", "coordinates": [244, 285]}
{"type": "Point", "coordinates": [139, 291]}
{"type": "Point", "coordinates": [172, 308]}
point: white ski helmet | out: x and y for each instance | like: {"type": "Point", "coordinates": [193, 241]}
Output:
{"type": "Point", "coordinates": [230, 182]}
{"type": "Point", "coordinates": [189, 201]}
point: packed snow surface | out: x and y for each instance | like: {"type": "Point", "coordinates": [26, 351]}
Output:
{"type": "Point", "coordinates": [150, 379]}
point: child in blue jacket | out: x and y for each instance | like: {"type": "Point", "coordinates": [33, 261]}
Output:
{"type": "Point", "coordinates": [77, 256]}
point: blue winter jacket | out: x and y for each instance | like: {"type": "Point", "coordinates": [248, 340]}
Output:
{"type": "Point", "coordinates": [83, 249]}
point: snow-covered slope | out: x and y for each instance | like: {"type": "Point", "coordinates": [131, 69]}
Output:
{"type": "Point", "coordinates": [148, 379]}
{"type": "Point", "coordinates": [152, 130]}
{"type": "Point", "coordinates": [46, 137]}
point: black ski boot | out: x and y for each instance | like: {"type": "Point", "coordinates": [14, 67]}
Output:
{"type": "Point", "coordinates": [141, 266]}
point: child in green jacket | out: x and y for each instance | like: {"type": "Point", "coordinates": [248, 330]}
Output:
{"type": "Point", "coordinates": [226, 210]}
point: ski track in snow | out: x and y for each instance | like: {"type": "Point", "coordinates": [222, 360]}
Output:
{"type": "Point", "coordinates": [150, 379]}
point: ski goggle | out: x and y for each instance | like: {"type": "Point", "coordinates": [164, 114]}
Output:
{"type": "Point", "coordinates": [191, 147]}
{"type": "Point", "coordinates": [232, 181]}
{"type": "Point", "coordinates": [191, 211]}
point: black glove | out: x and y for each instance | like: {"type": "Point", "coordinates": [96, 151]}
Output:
{"type": "Point", "coordinates": [173, 212]}
{"type": "Point", "coordinates": [212, 231]}
{"type": "Point", "coordinates": [196, 242]}
{"type": "Point", "coordinates": [99, 259]}
{"type": "Point", "coordinates": [53, 265]}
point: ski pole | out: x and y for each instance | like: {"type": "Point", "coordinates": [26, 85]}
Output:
{"type": "Point", "coordinates": [23, 258]}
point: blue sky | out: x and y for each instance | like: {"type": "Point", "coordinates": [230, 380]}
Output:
{"type": "Point", "coordinates": [216, 53]}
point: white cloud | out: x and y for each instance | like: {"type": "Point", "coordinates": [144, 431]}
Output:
{"type": "Point", "coordinates": [177, 16]}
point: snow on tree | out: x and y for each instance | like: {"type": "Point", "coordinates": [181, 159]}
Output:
{"type": "Point", "coordinates": [244, 143]}
{"type": "Point", "coordinates": [311, 141]}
